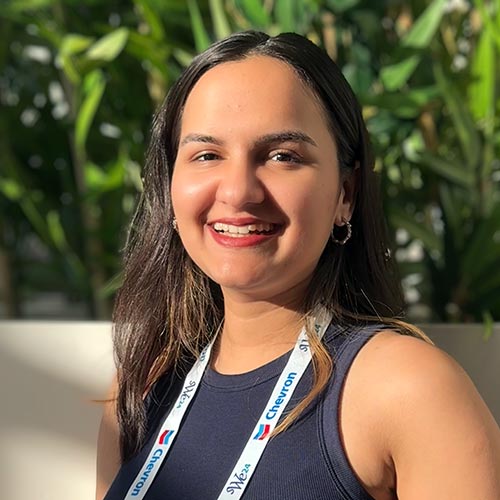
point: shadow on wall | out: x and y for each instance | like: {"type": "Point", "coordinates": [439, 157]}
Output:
{"type": "Point", "coordinates": [480, 358]}
{"type": "Point", "coordinates": [50, 375]}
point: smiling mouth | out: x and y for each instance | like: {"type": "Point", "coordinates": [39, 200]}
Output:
{"type": "Point", "coordinates": [239, 231]}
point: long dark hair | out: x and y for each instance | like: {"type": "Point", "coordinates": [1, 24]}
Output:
{"type": "Point", "coordinates": [167, 309]}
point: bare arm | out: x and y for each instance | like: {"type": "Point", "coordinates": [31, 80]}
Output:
{"type": "Point", "coordinates": [443, 440]}
{"type": "Point", "coordinates": [108, 449]}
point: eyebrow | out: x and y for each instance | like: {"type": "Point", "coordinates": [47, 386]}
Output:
{"type": "Point", "coordinates": [273, 138]}
{"type": "Point", "coordinates": [200, 138]}
{"type": "Point", "coordinates": [285, 136]}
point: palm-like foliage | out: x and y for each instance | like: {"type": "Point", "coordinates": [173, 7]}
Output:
{"type": "Point", "coordinates": [73, 131]}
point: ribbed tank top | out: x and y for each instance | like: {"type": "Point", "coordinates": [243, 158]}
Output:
{"type": "Point", "coordinates": [306, 462]}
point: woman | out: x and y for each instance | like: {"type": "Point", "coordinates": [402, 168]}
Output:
{"type": "Point", "coordinates": [259, 243]}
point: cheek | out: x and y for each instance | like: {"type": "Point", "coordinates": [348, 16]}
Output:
{"type": "Point", "coordinates": [314, 205]}
{"type": "Point", "coordinates": [316, 215]}
{"type": "Point", "coordinates": [191, 194]}
{"type": "Point", "coordinates": [311, 212]}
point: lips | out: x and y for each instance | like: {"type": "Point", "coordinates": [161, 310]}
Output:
{"type": "Point", "coordinates": [242, 230]}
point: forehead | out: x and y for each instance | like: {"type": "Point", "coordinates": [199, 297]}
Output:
{"type": "Point", "coordinates": [262, 91]}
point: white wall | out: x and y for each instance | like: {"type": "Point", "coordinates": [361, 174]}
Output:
{"type": "Point", "coordinates": [479, 357]}
{"type": "Point", "coordinates": [50, 373]}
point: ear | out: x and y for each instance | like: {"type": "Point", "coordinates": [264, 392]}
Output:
{"type": "Point", "coordinates": [348, 191]}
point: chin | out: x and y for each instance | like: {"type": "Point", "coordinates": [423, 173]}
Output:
{"type": "Point", "coordinates": [237, 281]}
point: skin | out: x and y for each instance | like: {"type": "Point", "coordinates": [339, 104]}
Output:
{"type": "Point", "coordinates": [228, 168]}
{"type": "Point", "coordinates": [412, 423]}
{"type": "Point", "coordinates": [108, 445]}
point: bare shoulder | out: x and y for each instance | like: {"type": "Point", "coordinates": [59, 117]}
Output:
{"type": "Point", "coordinates": [426, 421]}
{"type": "Point", "coordinates": [405, 369]}
{"type": "Point", "coordinates": [408, 360]}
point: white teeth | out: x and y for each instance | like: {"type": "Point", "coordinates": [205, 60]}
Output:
{"type": "Point", "coordinates": [237, 230]}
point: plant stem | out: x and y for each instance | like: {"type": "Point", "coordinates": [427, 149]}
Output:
{"type": "Point", "coordinates": [7, 288]}
{"type": "Point", "coordinates": [92, 246]}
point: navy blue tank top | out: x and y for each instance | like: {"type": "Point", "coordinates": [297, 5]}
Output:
{"type": "Point", "coordinates": [305, 462]}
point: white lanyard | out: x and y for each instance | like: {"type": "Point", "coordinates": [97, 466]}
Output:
{"type": "Point", "coordinates": [247, 463]}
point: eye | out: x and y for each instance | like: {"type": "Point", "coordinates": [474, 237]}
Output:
{"type": "Point", "coordinates": [285, 157]}
{"type": "Point", "coordinates": [206, 157]}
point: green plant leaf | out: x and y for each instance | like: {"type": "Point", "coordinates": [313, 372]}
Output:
{"type": "Point", "coordinates": [285, 14]}
{"type": "Point", "coordinates": [201, 38]}
{"type": "Point", "coordinates": [219, 19]}
{"type": "Point", "coordinates": [358, 71]}
{"type": "Point", "coordinates": [47, 32]}
{"type": "Point", "coordinates": [11, 189]}
{"type": "Point", "coordinates": [341, 5]}
{"type": "Point", "coordinates": [403, 104]}
{"type": "Point", "coordinates": [59, 241]}
{"type": "Point", "coordinates": [14, 191]}
{"type": "Point", "coordinates": [112, 286]}
{"type": "Point", "coordinates": [396, 75]}
{"type": "Point", "coordinates": [425, 27]}
{"type": "Point", "coordinates": [401, 219]}
{"type": "Point", "coordinates": [74, 44]}
{"type": "Point", "coordinates": [482, 87]}
{"type": "Point", "coordinates": [183, 57]}
{"type": "Point", "coordinates": [492, 23]}
{"type": "Point", "coordinates": [382, 123]}
{"type": "Point", "coordinates": [27, 5]}
{"type": "Point", "coordinates": [452, 214]}
{"type": "Point", "coordinates": [455, 173]}
{"type": "Point", "coordinates": [255, 12]}
{"type": "Point", "coordinates": [100, 180]}
{"type": "Point", "coordinates": [145, 48]}
{"type": "Point", "coordinates": [69, 68]}
{"type": "Point", "coordinates": [95, 178]}
{"type": "Point", "coordinates": [462, 120]}
{"type": "Point", "coordinates": [488, 325]}
{"type": "Point", "coordinates": [56, 230]}
{"type": "Point", "coordinates": [109, 46]}
{"type": "Point", "coordinates": [496, 27]}
{"type": "Point", "coordinates": [481, 250]}
{"type": "Point", "coordinates": [94, 85]}
{"type": "Point", "coordinates": [152, 19]}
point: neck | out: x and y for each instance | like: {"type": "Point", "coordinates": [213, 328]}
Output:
{"type": "Point", "coordinates": [256, 331]}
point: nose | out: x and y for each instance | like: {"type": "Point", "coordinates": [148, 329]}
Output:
{"type": "Point", "coordinates": [239, 184]}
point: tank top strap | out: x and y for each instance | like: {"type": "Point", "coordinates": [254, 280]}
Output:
{"type": "Point", "coordinates": [344, 347]}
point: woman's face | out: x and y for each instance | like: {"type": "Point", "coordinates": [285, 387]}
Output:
{"type": "Point", "coordinates": [256, 187]}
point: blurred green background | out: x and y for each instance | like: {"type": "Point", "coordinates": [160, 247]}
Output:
{"type": "Point", "coordinates": [80, 79]}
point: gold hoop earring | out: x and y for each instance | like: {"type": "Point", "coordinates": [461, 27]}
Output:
{"type": "Point", "coordinates": [348, 234]}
